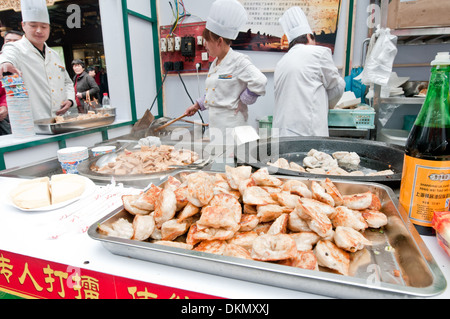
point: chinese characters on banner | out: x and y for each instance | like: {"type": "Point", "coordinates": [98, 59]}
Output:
{"type": "Point", "coordinates": [29, 277]}
{"type": "Point", "coordinates": [263, 32]}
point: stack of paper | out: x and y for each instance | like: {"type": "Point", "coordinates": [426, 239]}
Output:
{"type": "Point", "coordinates": [347, 101]}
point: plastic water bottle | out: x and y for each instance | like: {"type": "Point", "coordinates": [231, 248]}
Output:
{"type": "Point", "coordinates": [106, 102]}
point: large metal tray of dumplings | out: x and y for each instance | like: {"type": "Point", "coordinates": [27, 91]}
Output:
{"type": "Point", "coordinates": [397, 265]}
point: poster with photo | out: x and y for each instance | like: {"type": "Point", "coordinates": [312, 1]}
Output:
{"type": "Point", "coordinates": [263, 32]}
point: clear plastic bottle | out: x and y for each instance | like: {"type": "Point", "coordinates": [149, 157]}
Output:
{"type": "Point", "coordinates": [425, 186]}
{"type": "Point", "coordinates": [106, 103]}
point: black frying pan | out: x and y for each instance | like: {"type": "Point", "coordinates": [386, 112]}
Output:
{"type": "Point", "coordinates": [375, 156]}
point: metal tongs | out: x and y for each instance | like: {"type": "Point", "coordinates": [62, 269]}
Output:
{"type": "Point", "coordinates": [200, 163]}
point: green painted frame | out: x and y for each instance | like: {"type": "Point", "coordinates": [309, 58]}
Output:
{"type": "Point", "coordinates": [157, 60]}
{"type": "Point", "coordinates": [349, 38]}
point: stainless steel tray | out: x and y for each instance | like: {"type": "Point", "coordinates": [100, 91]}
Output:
{"type": "Point", "coordinates": [397, 265]}
{"type": "Point", "coordinates": [49, 127]}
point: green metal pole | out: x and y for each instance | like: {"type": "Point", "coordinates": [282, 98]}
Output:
{"type": "Point", "coordinates": [157, 57]}
{"type": "Point", "coordinates": [349, 38]}
{"type": "Point", "coordinates": [126, 27]}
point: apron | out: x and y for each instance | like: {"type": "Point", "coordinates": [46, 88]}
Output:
{"type": "Point", "coordinates": [222, 121]}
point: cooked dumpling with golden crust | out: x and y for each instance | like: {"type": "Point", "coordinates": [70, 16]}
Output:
{"type": "Point", "coordinates": [297, 224]}
{"type": "Point", "coordinates": [129, 205]}
{"type": "Point", "coordinates": [255, 195]}
{"type": "Point", "coordinates": [171, 229]}
{"type": "Point", "coordinates": [320, 194]}
{"type": "Point", "coordinates": [330, 256]}
{"type": "Point", "coordinates": [305, 240]}
{"type": "Point", "coordinates": [248, 222]}
{"type": "Point", "coordinates": [349, 239]}
{"type": "Point", "coordinates": [273, 247]}
{"type": "Point", "coordinates": [213, 247]}
{"type": "Point", "coordinates": [218, 217]}
{"type": "Point", "coordinates": [233, 250]}
{"type": "Point", "coordinates": [235, 175]}
{"type": "Point", "coordinates": [165, 206]}
{"type": "Point", "coordinates": [332, 190]}
{"type": "Point", "coordinates": [303, 260]}
{"type": "Point", "coordinates": [188, 211]}
{"type": "Point", "coordinates": [296, 187]}
{"type": "Point", "coordinates": [286, 199]}
{"type": "Point", "coordinates": [209, 233]}
{"type": "Point", "coordinates": [374, 218]}
{"type": "Point", "coordinates": [143, 226]}
{"type": "Point", "coordinates": [267, 213]}
{"type": "Point", "coordinates": [120, 228]}
{"type": "Point", "coordinates": [279, 226]}
{"type": "Point", "coordinates": [263, 178]}
{"type": "Point", "coordinates": [146, 200]}
{"type": "Point", "coordinates": [244, 239]}
{"type": "Point", "coordinates": [315, 204]}
{"type": "Point", "coordinates": [317, 220]}
{"type": "Point", "coordinates": [344, 216]}
{"type": "Point", "coordinates": [358, 201]}
{"type": "Point", "coordinates": [200, 188]}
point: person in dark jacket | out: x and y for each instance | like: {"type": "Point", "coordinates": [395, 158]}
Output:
{"type": "Point", "coordinates": [83, 84]}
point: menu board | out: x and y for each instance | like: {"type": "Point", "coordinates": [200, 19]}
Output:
{"type": "Point", "coordinates": [263, 32]}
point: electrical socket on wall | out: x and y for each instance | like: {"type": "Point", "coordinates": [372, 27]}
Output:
{"type": "Point", "coordinates": [170, 44]}
{"type": "Point", "coordinates": [177, 43]}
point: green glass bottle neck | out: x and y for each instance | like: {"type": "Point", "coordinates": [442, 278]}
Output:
{"type": "Point", "coordinates": [435, 111]}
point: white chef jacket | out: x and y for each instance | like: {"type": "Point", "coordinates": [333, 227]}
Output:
{"type": "Point", "coordinates": [46, 80]}
{"type": "Point", "coordinates": [307, 83]}
{"type": "Point", "coordinates": [224, 85]}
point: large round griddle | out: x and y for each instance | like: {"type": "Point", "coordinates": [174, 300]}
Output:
{"type": "Point", "coordinates": [375, 156]}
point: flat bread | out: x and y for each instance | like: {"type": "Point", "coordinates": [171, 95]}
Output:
{"type": "Point", "coordinates": [43, 192]}
{"type": "Point", "coordinates": [66, 187]}
{"type": "Point", "coordinates": [32, 194]}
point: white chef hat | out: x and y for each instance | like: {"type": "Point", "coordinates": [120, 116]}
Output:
{"type": "Point", "coordinates": [295, 23]}
{"type": "Point", "coordinates": [35, 11]}
{"type": "Point", "coordinates": [226, 18]}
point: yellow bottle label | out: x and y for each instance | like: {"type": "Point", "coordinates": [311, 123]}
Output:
{"type": "Point", "coordinates": [425, 189]}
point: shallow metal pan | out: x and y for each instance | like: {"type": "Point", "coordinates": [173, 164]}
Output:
{"type": "Point", "coordinates": [84, 168]}
{"type": "Point", "coordinates": [49, 127]}
{"type": "Point", "coordinates": [375, 156]}
{"type": "Point", "coordinates": [406, 270]}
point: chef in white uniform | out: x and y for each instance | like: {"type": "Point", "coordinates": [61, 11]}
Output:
{"type": "Point", "coordinates": [233, 82]}
{"type": "Point", "coordinates": [50, 88]}
{"type": "Point", "coordinates": [307, 82]}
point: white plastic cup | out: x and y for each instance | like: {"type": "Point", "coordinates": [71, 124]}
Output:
{"type": "Point", "coordinates": [102, 150]}
{"type": "Point", "coordinates": [71, 157]}
{"type": "Point", "coordinates": [21, 117]}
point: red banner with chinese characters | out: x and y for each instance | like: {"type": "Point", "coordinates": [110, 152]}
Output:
{"type": "Point", "coordinates": [34, 278]}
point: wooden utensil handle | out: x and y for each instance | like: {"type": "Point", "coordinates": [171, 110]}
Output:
{"type": "Point", "coordinates": [196, 123]}
{"type": "Point", "coordinates": [171, 122]}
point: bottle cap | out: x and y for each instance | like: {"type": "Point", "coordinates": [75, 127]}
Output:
{"type": "Point", "coordinates": [442, 58]}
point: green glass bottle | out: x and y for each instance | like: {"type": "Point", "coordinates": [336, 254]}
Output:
{"type": "Point", "coordinates": [425, 186]}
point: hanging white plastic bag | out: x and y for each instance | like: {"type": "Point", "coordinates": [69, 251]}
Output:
{"type": "Point", "coordinates": [380, 59]}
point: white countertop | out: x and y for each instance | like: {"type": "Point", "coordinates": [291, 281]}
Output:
{"type": "Point", "coordinates": [50, 236]}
